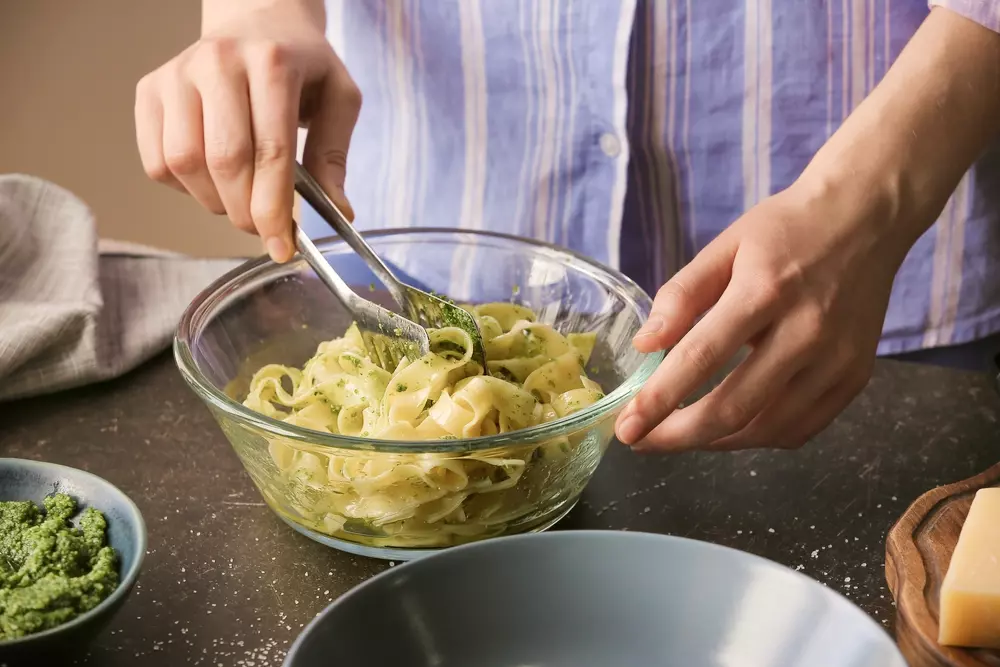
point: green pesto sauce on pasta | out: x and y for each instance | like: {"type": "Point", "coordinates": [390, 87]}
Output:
{"type": "Point", "coordinates": [535, 374]}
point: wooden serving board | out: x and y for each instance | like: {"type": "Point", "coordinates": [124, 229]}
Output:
{"type": "Point", "coordinates": [917, 553]}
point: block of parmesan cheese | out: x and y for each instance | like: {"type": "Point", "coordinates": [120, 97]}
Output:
{"type": "Point", "coordinates": [970, 594]}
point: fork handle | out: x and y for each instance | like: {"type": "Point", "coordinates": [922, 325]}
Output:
{"type": "Point", "coordinates": [311, 191]}
{"type": "Point", "coordinates": [323, 269]}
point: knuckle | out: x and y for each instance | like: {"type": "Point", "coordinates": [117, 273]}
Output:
{"type": "Point", "coordinates": [158, 171]}
{"type": "Point", "coordinates": [771, 286]}
{"type": "Point", "coordinates": [733, 414]}
{"type": "Point", "coordinates": [334, 157]}
{"type": "Point", "coordinates": [791, 276]}
{"type": "Point", "coordinates": [270, 55]}
{"type": "Point", "coordinates": [146, 86]}
{"type": "Point", "coordinates": [269, 152]}
{"type": "Point", "coordinates": [228, 157]}
{"type": "Point", "coordinates": [216, 49]}
{"type": "Point", "coordinates": [700, 355]}
{"type": "Point", "coordinates": [351, 95]}
{"type": "Point", "coordinates": [673, 292]}
{"type": "Point", "coordinates": [171, 74]}
{"type": "Point", "coordinates": [267, 215]}
{"type": "Point", "coordinates": [812, 322]}
{"type": "Point", "coordinates": [764, 293]}
{"type": "Point", "coordinates": [183, 161]}
{"type": "Point", "coordinates": [649, 400]}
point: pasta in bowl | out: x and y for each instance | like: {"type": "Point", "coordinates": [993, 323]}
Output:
{"type": "Point", "coordinates": [439, 451]}
{"type": "Point", "coordinates": [535, 375]}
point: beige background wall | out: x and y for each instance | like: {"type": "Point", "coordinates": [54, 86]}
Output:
{"type": "Point", "coordinates": [68, 70]}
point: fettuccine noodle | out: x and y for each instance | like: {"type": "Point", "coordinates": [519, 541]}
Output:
{"type": "Point", "coordinates": [535, 375]}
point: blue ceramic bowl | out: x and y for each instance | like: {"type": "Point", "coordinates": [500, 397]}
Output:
{"type": "Point", "coordinates": [34, 480]}
{"type": "Point", "coordinates": [593, 599]}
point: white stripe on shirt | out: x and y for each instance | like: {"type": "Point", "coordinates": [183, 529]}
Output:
{"type": "Point", "coordinates": [664, 71]}
{"type": "Point", "coordinates": [549, 119]}
{"type": "Point", "coordinates": [686, 134]}
{"type": "Point", "coordinates": [471, 215]}
{"type": "Point", "coordinates": [335, 26]}
{"type": "Point", "coordinates": [567, 182]}
{"type": "Point", "coordinates": [422, 158]}
{"type": "Point", "coordinates": [619, 70]}
{"type": "Point", "coordinates": [525, 176]}
{"type": "Point", "coordinates": [379, 213]}
{"type": "Point", "coordinates": [764, 96]}
{"type": "Point", "coordinates": [474, 78]}
{"type": "Point", "coordinates": [859, 40]}
{"type": "Point", "coordinates": [399, 189]}
{"type": "Point", "coordinates": [751, 89]}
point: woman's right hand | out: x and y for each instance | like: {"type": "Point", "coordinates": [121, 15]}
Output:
{"type": "Point", "coordinates": [220, 120]}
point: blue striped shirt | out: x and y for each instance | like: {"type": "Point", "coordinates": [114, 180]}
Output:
{"type": "Point", "coordinates": [634, 131]}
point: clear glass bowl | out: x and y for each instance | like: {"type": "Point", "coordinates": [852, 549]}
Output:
{"type": "Point", "coordinates": [263, 313]}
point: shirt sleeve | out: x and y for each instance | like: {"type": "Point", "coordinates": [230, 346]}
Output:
{"type": "Point", "coordinates": [984, 12]}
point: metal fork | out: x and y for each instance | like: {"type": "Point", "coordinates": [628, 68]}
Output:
{"type": "Point", "coordinates": [429, 310]}
{"type": "Point", "coordinates": [388, 337]}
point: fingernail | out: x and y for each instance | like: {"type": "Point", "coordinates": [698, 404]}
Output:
{"type": "Point", "coordinates": [628, 431]}
{"type": "Point", "coordinates": [653, 325]}
{"type": "Point", "coordinates": [277, 249]}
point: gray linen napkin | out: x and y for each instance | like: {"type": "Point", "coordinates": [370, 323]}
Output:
{"type": "Point", "coordinates": [74, 310]}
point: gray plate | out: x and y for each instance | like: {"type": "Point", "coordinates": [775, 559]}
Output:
{"type": "Point", "coordinates": [593, 599]}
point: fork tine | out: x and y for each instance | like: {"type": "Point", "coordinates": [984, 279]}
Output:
{"type": "Point", "coordinates": [385, 350]}
{"type": "Point", "coordinates": [386, 354]}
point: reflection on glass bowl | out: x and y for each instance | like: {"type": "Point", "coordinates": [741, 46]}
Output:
{"type": "Point", "coordinates": [357, 494]}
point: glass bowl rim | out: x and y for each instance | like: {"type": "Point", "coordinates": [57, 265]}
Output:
{"type": "Point", "coordinates": [205, 302]}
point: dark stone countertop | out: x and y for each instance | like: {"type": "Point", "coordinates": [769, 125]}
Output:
{"type": "Point", "coordinates": [227, 583]}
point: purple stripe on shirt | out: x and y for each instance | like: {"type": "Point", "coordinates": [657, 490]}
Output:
{"type": "Point", "coordinates": [799, 99]}
{"type": "Point", "coordinates": [716, 132]}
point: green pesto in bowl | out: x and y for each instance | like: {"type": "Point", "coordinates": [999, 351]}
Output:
{"type": "Point", "coordinates": [50, 570]}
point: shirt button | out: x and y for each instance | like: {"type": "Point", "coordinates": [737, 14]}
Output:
{"type": "Point", "coordinates": [610, 145]}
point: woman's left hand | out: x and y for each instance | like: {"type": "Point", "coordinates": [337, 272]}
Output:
{"type": "Point", "coordinates": [803, 280]}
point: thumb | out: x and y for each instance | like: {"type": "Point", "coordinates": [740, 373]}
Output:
{"type": "Point", "coordinates": [329, 136]}
{"type": "Point", "coordinates": [688, 295]}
